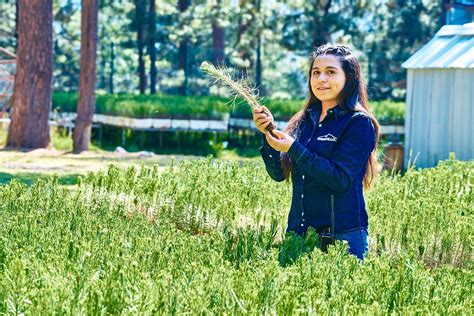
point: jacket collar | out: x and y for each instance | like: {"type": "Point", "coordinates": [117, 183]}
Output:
{"type": "Point", "coordinates": [315, 110]}
{"type": "Point", "coordinates": [337, 111]}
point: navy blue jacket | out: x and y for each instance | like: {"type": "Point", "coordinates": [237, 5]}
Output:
{"type": "Point", "coordinates": [328, 159]}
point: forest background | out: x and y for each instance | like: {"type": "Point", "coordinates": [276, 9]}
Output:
{"type": "Point", "coordinates": [157, 46]}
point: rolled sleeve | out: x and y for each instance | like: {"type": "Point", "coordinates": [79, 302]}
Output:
{"type": "Point", "coordinates": [349, 156]}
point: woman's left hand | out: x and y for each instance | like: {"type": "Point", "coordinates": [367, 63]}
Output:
{"type": "Point", "coordinates": [282, 143]}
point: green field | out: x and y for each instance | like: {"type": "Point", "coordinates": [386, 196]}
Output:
{"type": "Point", "coordinates": [205, 236]}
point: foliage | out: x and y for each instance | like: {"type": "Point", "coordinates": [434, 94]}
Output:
{"type": "Point", "coordinates": [389, 112]}
{"type": "Point", "coordinates": [7, 28]}
{"type": "Point", "coordinates": [143, 106]}
{"type": "Point", "coordinates": [311, 24]}
{"type": "Point", "coordinates": [114, 29]}
{"type": "Point", "coordinates": [202, 237]}
{"type": "Point", "coordinates": [31, 177]}
{"type": "Point", "coordinates": [382, 33]}
{"type": "Point", "coordinates": [398, 30]}
{"type": "Point", "coordinates": [149, 106]}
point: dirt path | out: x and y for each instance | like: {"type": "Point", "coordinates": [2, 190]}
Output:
{"type": "Point", "coordinates": [48, 162]}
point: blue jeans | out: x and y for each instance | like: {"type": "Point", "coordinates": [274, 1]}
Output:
{"type": "Point", "coordinates": [358, 241]}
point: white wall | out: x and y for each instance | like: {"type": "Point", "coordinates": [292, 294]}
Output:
{"type": "Point", "coordinates": [439, 116]}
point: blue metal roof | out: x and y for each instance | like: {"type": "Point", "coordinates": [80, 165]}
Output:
{"type": "Point", "coordinates": [451, 47]}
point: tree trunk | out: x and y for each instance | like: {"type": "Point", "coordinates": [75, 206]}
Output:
{"type": "Point", "coordinates": [320, 34]}
{"type": "Point", "coordinates": [258, 61]}
{"type": "Point", "coordinates": [183, 64]}
{"type": "Point", "coordinates": [112, 68]}
{"type": "Point", "coordinates": [258, 66]}
{"type": "Point", "coordinates": [29, 127]}
{"type": "Point", "coordinates": [218, 43]}
{"type": "Point", "coordinates": [102, 78]}
{"type": "Point", "coordinates": [245, 52]}
{"type": "Point", "coordinates": [140, 10]}
{"type": "Point", "coordinates": [151, 45]}
{"type": "Point", "coordinates": [241, 27]}
{"type": "Point", "coordinates": [183, 5]}
{"type": "Point", "coordinates": [444, 11]}
{"type": "Point", "coordinates": [87, 76]}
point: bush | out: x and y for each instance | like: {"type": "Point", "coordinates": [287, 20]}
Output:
{"type": "Point", "coordinates": [205, 237]}
{"type": "Point", "coordinates": [389, 112]}
{"type": "Point", "coordinates": [149, 106]}
{"type": "Point", "coordinates": [205, 107]}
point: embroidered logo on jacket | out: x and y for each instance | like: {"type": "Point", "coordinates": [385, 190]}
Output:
{"type": "Point", "coordinates": [327, 138]}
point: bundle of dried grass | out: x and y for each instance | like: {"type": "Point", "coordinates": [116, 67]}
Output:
{"type": "Point", "coordinates": [223, 77]}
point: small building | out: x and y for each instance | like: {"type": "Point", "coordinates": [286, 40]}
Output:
{"type": "Point", "coordinates": [439, 116]}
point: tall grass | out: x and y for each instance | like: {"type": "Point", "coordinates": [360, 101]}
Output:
{"type": "Point", "coordinates": [206, 237]}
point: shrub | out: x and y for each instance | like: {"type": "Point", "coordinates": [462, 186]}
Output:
{"type": "Point", "coordinates": [204, 107]}
{"type": "Point", "coordinates": [204, 237]}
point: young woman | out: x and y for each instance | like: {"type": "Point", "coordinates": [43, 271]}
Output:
{"type": "Point", "coordinates": [328, 149]}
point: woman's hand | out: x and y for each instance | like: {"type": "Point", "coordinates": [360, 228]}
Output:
{"type": "Point", "coordinates": [262, 119]}
{"type": "Point", "coordinates": [282, 143]}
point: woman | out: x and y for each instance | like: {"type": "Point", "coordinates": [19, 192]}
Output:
{"type": "Point", "coordinates": [329, 149]}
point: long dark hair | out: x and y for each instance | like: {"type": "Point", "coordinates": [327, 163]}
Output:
{"type": "Point", "coordinates": [352, 98]}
